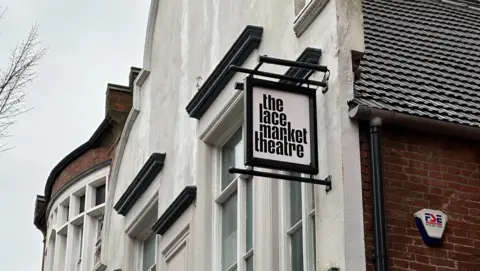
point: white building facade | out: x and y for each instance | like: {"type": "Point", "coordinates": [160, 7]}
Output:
{"type": "Point", "coordinates": [153, 188]}
{"type": "Point", "coordinates": [172, 205]}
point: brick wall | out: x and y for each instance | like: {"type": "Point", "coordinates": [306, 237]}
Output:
{"type": "Point", "coordinates": [425, 170]}
{"type": "Point", "coordinates": [118, 101]}
{"type": "Point", "coordinates": [88, 160]}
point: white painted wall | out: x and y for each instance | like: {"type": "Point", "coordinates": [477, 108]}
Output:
{"type": "Point", "coordinates": [186, 39]}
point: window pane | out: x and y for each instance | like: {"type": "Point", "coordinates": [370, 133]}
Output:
{"type": "Point", "coordinates": [297, 250]}
{"type": "Point", "coordinates": [249, 215]}
{"type": "Point", "coordinates": [100, 195]}
{"type": "Point", "coordinates": [80, 242]}
{"type": "Point", "coordinates": [229, 232]}
{"type": "Point", "coordinates": [232, 155]}
{"type": "Point", "coordinates": [149, 247]}
{"type": "Point", "coordinates": [250, 263]}
{"type": "Point", "coordinates": [295, 202]}
{"type": "Point", "coordinates": [82, 204]}
{"type": "Point", "coordinates": [99, 228]}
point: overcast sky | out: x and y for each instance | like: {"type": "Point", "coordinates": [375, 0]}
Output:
{"type": "Point", "coordinates": [91, 43]}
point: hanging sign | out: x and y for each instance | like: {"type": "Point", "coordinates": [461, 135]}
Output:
{"type": "Point", "coordinates": [281, 126]}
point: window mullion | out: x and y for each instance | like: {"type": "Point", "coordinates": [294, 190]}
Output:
{"type": "Point", "coordinates": [241, 223]}
{"type": "Point", "coordinates": [306, 229]}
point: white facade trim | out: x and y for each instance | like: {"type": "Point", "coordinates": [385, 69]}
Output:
{"type": "Point", "coordinates": [177, 243]}
{"type": "Point", "coordinates": [307, 15]}
{"type": "Point", "coordinates": [119, 153]}
{"type": "Point", "coordinates": [225, 123]}
{"type": "Point", "coordinates": [152, 16]}
{"type": "Point", "coordinates": [136, 228]}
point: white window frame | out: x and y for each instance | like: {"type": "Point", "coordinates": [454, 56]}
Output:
{"type": "Point", "coordinates": [80, 240]}
{"type": "Point", "coordinates": [304, 18]}
{"type": "Point", "coordinates": [65, 220]}
{"type": "Point", "coordinates": [139, 229]}
{"type": "Point", "coordinates": [306, 224]}
{"type": "Point", "coordinates": [141, 252]}
{"type": "Point", "coordinates": [237, 186]}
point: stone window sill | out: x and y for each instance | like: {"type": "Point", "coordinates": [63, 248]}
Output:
{"type": "Point", "coordinates": [307, 15]}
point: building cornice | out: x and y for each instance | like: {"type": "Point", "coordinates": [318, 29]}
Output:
{"type": "Point", "coordinates": [175, 210]}
{"type": "Point", "coordinates": [75, 179]}
{"type": "Point", "coordinates": [94, 140]}
{"type": "Point", "coordinates": [246, 43]}
{"type": "Point", "coordinates": [116, 87]}
{"type": "Point", "coordinates": [140, 183]}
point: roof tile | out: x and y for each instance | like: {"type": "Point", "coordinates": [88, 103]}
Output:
{"type": "Point", "coordinates": [422, 58]}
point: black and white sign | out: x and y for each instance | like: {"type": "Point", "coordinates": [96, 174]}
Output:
{"type": "Point", "coordinates": [280, 126]}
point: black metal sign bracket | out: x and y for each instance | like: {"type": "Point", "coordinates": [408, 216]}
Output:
{"type": "Point", "coordinates": [327, 181]}
{"type": "Point", "coordinates": [311, 68]}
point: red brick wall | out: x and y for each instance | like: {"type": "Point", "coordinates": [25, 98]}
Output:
{"type": "Point", "coordinates": [425, 170]}
{"type": "Point", "coordinates": [88, 160]}
{"type": "Point", "coordinates": [119, 100]}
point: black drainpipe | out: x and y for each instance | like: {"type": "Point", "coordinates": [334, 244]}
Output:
{"type": "Point", "coordinates": [379, 225]}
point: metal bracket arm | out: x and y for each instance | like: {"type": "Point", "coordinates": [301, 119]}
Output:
{"type": "Point", "coordinates": [277, 76]}
{"type": "Point", "coordinates": [327, 181]}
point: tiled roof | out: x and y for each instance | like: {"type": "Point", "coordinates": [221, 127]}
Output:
{"type": "Point", "coordinates": [422, 57]}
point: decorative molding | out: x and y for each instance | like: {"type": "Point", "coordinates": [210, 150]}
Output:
{"type": "Point", "coordinates": [74, 180]}
{"type": "Point", "coordinates": [140, 183]}
{"type": "Point", "coordinates": [246, 43]}
{"type": "Point", "coordinates": [142, 76]}
{"type": "Point", "coordinates": [226, 119]}
{"type": "Point", "coordinates": [307, 15]}
{"type": "Point", "coordinates": [111, 86]}
{"type": "Point", "coordinates": [309, 55]}
{"type": "Point", "coordinates": [134, 73]}
{"type": "Point", "coordinates": [117, 162]}
{"type": "Point", "coordinates": [175, 210]}
{"type": "Point", "coordinates": [180, 241]}
{"type": "Point", "coordinates": [146, 217]}
{"type": "Point", "coordinates": [147, 50]}
{"type": "Point", "coordinates": [100, 267]}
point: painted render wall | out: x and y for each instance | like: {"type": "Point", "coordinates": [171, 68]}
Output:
{"type": "Point", "coordinates": [187, 39]}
